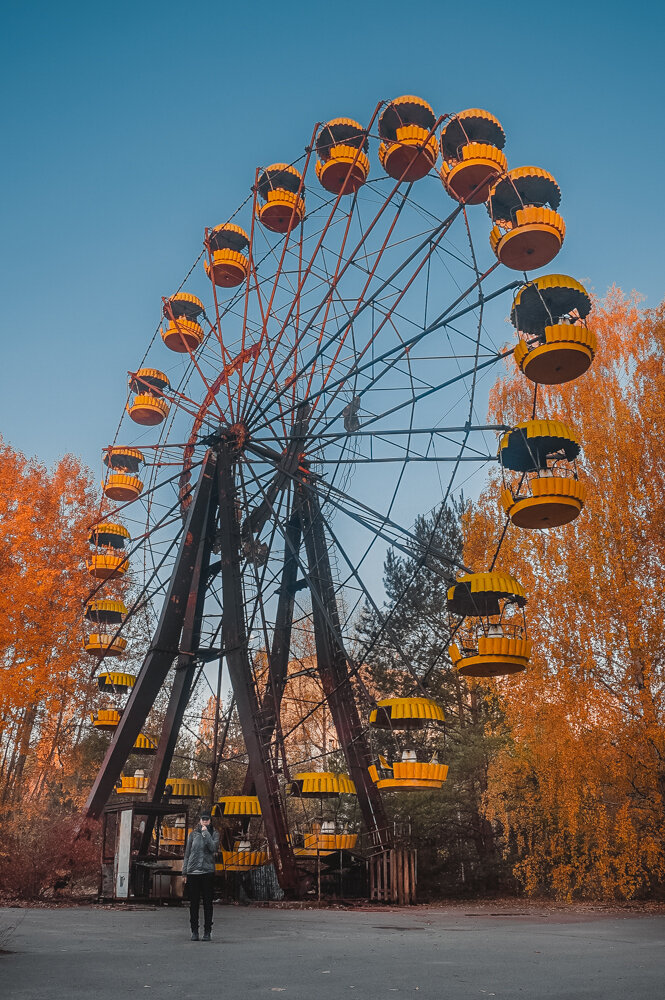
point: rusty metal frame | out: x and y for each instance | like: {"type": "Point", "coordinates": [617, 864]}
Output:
{"type": "Point", "coordinates": [332, 665]}
{"type": "Point", "coordinates": [236, 650]}
{"type": "Point", "coordinates": [166, 641]}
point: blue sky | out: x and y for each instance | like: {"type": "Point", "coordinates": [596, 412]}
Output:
{"type": "Point", "coordinates": [130, 127]}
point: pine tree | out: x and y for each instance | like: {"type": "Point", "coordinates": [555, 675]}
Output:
{"type": "Point", "coordinates": [456, 843]}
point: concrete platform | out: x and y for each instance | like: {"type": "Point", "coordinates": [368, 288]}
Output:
{"type": "Point", "coordinates": [452, 952]}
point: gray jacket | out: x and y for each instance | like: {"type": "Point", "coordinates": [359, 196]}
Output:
{"type": "Point", "coordinates": [202, 846]}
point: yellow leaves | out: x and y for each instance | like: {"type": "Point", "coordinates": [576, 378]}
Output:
{"type": "Point", "coordinates": [44, 514]}
{"type": "Point", "coordinates": [581, 788]}
{"type": "Point", "coordinates": [305, 718]}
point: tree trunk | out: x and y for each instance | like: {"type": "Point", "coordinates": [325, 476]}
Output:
{"type": "Point", "coordinates": [13, 781]}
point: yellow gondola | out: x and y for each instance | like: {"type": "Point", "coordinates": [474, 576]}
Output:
{"type": "Point", "coordinates": [242, 858]}
{"type": "Point", "coordinates": [546, 493]}
{"type": "Point", "coordinates": [104, 644]}
{"type": "Point", "coordinates": [471, 150]}
{"type": "Point", "coordinates": [318, 842]}
{"type": "Point", "coordinates": [183, 334]}
{"type": "Point", "coordinates": [406, 713]}
{"type": "Point", "coordinates": [148, 407]}
{"type": "Point", "coordinates": [528, 231]}
{"type": "Point", "coordinates": [108, 535]}
{"type": "Point", "coordinates": [188, 788]}
{"type": "Point", "coordinates": [108, 561]}
{"type": "Point", "coordinates": [104, 566]}
{"type": "Point", "coordinates": [107, 615]}
{"type": "Point", "coordinates": [325, 838]}
{"type": "Point", "coordinates": [343, 165]}
{"type": "Point", "coordinates": [409, 774]}
{"type": "Point", "coordinates": [417, 766]}
{"type": "Point", "coordinates": [486, 612]}
{"type": "Point", "coordinates": [246, 809]}
{"type": "Point", "coordinates": [115, 681]}
{"type": "Point", "coordinates": [135, 784]}
{"type": "Point", "coordinates": [182, 305]}
{"type": "Point", "coordinates": [144, 745]}
{"type": "Point", "coordinates": [105, 718]}
{"type": "Point", "coordinates": [281, 193]}
{"type": "Point", "coordinates": [556, 345]}
{"type": "Point", "coordinates": [227, 245]}
{"type": "Point", "coordinates": [122, 482]}
{"type": "Point", "coordinates": [409, 149]}
{"type": "Point", "coordinates": [321, 785]}
{"type": "Point", "coordinates": [173, 836]}
{"type": "Point", "coordinates": [237, 805]}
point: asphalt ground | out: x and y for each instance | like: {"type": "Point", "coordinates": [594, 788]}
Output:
{"type": "Point", "coordinates": [437, 953]}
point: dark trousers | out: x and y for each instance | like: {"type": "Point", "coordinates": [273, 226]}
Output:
{"type": "Point", "coordinates": [200, 886]}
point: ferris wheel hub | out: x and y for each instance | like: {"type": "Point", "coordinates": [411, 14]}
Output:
{"type": "Point", "coordinates": [238, 436]}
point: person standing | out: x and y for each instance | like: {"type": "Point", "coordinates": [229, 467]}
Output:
{"type": "Point", "coordinates": [198, 869]}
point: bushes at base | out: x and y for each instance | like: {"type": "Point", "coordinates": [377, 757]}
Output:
{"type": "Point", "coordinates": [41, 857]}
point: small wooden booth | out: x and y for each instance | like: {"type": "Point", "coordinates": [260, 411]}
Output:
{"type": "Point", "coordinates": [126, 874]}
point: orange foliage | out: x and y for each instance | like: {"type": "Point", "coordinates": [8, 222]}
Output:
{"type": "Point", "coordinates": [305, 721]}
{"type": "Point", "coordinates": [44, 685]}
{"type": "Point", "coordinates": [209, 714]}
{"type": "Point", "coordinates": [580, 787]}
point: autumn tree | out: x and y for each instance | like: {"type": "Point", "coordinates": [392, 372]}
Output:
{"type": "Point", "coordinates": [579, 786]}
{"type": "Point", "coordinates": [45, 687]}
{"type": "Point", "coordinates": [216, 752]}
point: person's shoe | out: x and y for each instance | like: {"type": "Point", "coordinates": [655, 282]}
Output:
{"type": "Point", "coordinates": [206, 936]}
{"type": "Point", "coordinates": [195, 935]}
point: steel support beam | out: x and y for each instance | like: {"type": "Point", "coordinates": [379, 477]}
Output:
{"type": "Point", "coordinates": [186, 666]}
{"type": "Point", "coordinates": [236, 651]}
{"type": "Point", "coordinates": [165, 644]}
{"type": "Point", "coordinates": [331, 661]}
{"type": "Point", "coordinates": [278, 662]}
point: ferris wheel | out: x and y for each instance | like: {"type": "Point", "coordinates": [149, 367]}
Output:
{"type": "Point", "coordinates": [312, 385]}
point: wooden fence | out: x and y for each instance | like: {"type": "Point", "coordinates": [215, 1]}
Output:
{"type": "Point", "coordinates": [393, 876]}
